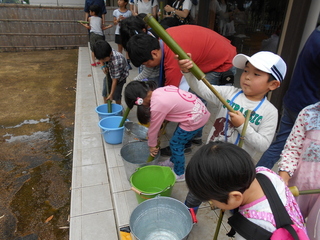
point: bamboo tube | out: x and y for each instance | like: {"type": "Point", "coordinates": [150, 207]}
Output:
{"type": "Point", "coordinates": [244, 129]}
{"type": "Point", "coordinates": [161, 10]}
{"type": "Point", "coordinates": [195, 70]}
{"type": "Point", "coordinates": [216, 233]}
{"type": "Point", "coordinates": [295, 191]}
{"type": "Point", "coordinates": [107, 87]}
{"type": "Point", "coordinates": [125, 115]}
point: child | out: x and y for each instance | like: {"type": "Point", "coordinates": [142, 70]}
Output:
{"type": "Point", "coordinates": [145, 6]}
{"type": "Point", "coordinates": [96, 29]}
{"type": "Point", "coordinates": [172, 104]}
{"type": "Point", "coordinates": [117, 67]}
{"type": "Point", "coordinates": [263, 72]}
{"type": "Point", "coordinates": [118, 15]}
{"type": "Point", "coordinates": [299, 165]}
{"type": "Point", "coordinates": [224, 174]}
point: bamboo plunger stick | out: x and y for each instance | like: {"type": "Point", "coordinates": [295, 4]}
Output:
{"type": "Point", "coordinates": [244, 129]}
{"type": "Point", "coordinates": [173, 45]}
{"type": "Point", "coordinates": [125, 115]}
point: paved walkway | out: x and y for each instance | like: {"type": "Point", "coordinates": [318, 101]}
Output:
{"type": "Point", "coordinates": [101, 199]}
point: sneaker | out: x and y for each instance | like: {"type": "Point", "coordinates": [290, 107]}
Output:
{"type": "Point", "coordinates": [165, 151]}
{"type": "Point", "coordinates": [197, 142]}
{"type": "Point", "coordinates": [166, 163]}
{"type": "Point", "coordinates": [93, 64]}
{"type": "Point", "coordinates": [180, 178]}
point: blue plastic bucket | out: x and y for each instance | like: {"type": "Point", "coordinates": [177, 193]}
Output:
{"type": "Point", "coordinates": [102, 110]}
{"type": "Point", "coordinates": [111, 131]}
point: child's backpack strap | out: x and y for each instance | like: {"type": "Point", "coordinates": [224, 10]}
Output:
{"type": "Point", "coordinates": [280, 214]}
{"type": "Point", "coordinates": [251, 231]}
{"type": "Point", "coordinates": [248, 229]}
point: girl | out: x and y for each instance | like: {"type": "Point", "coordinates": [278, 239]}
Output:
{"type": "Point", "coordinates": [146, 6]}
{"type": "Point", "coordinates": [180, 9]}
{"type": "Point", "coordinates": [172, 104]}
{"type": "Point", "coordinates": [299, 164]}
{"type": "Point", "coordinates": [224, 174]}
{"type": "Point", "coordinates": [118, 15]}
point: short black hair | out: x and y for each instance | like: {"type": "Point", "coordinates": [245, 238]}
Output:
{"type": "Point", "coordinates": [102, 49]}
{"type": "Point", "coordinates": [217, 169]}
{"type": "Point", "coordinates": [139, 48]}
{"type": "Point", "coordinates": [95, 8]}
{"type": "Point", "coordinates": [131, 26]}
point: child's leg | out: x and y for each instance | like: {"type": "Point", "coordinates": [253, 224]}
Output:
{"type": "Point", "coordinates": [177, 145]}
{"type": "Point", "coordinates": [120, 48]}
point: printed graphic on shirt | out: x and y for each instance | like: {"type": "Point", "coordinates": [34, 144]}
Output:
{"type": "Point", "coordinates": [225, 128]}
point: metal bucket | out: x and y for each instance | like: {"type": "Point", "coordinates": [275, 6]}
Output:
{"type": "Point", "coordinates": [162, 218]}
{"type": "Point", "coordinates": [135, 155]}
{"type": "Point", "coordinates": [134, 132]}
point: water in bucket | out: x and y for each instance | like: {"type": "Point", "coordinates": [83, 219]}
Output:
{"type": "Point", "coordinates": [150, 181]}
{"type": "Point", "coordinates": [135, 155]}
{"type": "Point", "coordinates": [161, 218]}
{"type": "Point", "coordinates": [111, 131]}
{"type": "Point", "coordinates": [102, 110]}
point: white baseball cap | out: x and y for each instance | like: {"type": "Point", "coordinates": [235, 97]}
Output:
{"type": "Point", "coordinates": [264, 61]}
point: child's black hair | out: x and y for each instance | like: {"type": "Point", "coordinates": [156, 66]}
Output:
{"type": "Point", "coordinates": [217, 169]}
{"type": "Point", "coordinates": [131, 26]}
{"type": "Point", "coordinates": [139, 48]}
{"type": "Point", "coordinates": [95, 8]}
{"type": "Point", "coordinates": [139, 89]}
{"type": "Point", "coordinates": [102, 49]}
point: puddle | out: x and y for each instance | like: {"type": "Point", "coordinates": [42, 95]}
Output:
{"type": "Point", "coordinates": [36, 179]}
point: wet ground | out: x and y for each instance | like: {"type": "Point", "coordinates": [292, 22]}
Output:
{"type": "Point", "coordinates": [37, 102]}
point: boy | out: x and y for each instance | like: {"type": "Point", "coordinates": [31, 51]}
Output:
{"type": "Point", "coordinates": [212, 52]}
{"type": "Point", "coordinates": [263, 72]}
{"type": "Point", "coordinates": [96, 29]}
{"type": "Point", "coordinates": [224, 174]}
{"type": "Point", "coordinates": [117, 67]}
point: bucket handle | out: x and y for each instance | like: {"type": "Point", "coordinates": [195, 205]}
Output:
{"type": "Point", "coordinates": [105, 131]}
{"type": "Point", "coordinates": [193, 215]}
{"type": "Point", "coordinates": [149, 194]}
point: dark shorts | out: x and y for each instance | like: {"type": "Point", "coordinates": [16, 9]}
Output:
{"type": "Point", "coordinates": [117, 93]}
{"type": "Point", "coordinates": [93, 38]}
{"type": "Point", "coordinates": [117, 39]}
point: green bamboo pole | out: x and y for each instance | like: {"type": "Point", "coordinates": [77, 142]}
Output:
{"type": "Point", "coordinates": [295, 191]}
{"type": "Point", "coordinates": [161, 10]}
{"type": "Point", "coordinates": [125, 116]}
{"type": "Point", "coordinates": [107, 86]}
{"type": "Point", "coordinates": [216, 233]}
{"type": "Point", "coordinates": [244, 129]}
{"type": "Point", "coordinates": [173, 45]}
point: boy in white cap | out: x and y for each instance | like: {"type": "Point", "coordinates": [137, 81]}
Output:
{"type": "Point", "coordinates": [262, 72]}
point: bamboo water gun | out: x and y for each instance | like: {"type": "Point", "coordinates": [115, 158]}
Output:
{"type": "Point", "coordinates": [84, 22]}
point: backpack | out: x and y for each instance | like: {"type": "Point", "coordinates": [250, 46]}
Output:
{"type": "Point", "coordinates": [286, 230]}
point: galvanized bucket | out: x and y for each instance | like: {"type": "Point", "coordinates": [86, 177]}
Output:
{"type": "Point", "coordinates": [134, 132]}
{"type": "Point", "coordinates": [160, 218]}
{"type": "Point", "coordinates": [135, 155]}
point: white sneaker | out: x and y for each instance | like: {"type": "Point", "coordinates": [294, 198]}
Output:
{"type": "Point", "coordinates": [166, 163]}
{"type": "Point", "coordinates": [180, 178]}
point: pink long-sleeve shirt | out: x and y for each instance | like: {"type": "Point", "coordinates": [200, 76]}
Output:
{"type": "Point", "coordinates": [175, 105]}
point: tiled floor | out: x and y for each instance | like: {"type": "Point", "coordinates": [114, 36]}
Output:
{"type": "Point", "coordinates": [101, 198]}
